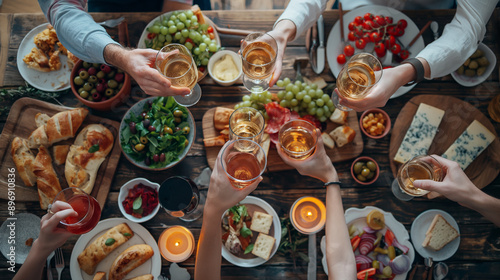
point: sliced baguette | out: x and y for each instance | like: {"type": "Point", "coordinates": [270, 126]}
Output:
{"type": "Point", "coordinates": [46, 178]}
{"type": "Point", "coordinates": [439, 234]}
{"type": "Point", "coordinates": [23, 159]}
{"type": "Point", "coordinates": [261, 222]}
{"type": "Point", "coordinates": [327, 140]}
{"type": "Point", "coordinates": [100, 275]}
{"type": "Point", "coordinates": [131, 258]}
{"type": "Point", "coordinates": [263, 246]}
{"type": "Point", "coordinates": [343, 135]}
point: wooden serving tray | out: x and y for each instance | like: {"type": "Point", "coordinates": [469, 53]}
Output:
{"type": "Point", "coordinates": [21, 122]}
{"type": "Point", "coordinates": [274, 162]}
{"type": "Point", "coordinates": [457, 117]}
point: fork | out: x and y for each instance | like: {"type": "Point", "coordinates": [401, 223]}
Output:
{"type": "Point", "coordinates": [59, 262]}
{"type": "Point", "coordinates": [111, 23]}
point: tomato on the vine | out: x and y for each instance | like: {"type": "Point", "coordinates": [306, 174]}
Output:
{"type": "Point", "coordinates": [375, 37]}
{"type": "Point", "coordinates": [368, 25]}
{"type": "Point", "coordinates": [388, 20]}
{"type": "Point", "coordinates": [359, 33]}
{"type": "Point", "coordinates": [404, 54]}
{"type": "Point", "coordinates": [352, 36]}
{"type": "Point", "coordinates": [391, 30]}
{"type": "Point", "coordinates": [402, 23]}
{"type": "Point", "coordinates": [361, 43]}
{"type": "Point", "coordinates": [399, 32]}
{"type": "Point", "coordinates": [380, 20]}
{"type": "Point", "coordinates": [348, 50]}
{"type": "Point", "coordinates": [396, 49]}
{"type": "Point", "coordinates": [358, 20]}
{"type": "Point", "coordinates": [368, 16]}
{"type": "Point", "coordinates": [341, 59]}
{"type": "Point", "coordinates": [210, 29]}
{"type": "Point", "coordinates": [352, 26]}
{"type": "Point", "coordinates": [380, 49]}
{"type": "Point", "coordinates": [390, 41]}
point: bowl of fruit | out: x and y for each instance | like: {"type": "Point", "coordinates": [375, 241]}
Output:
{"type": "Point", "coordinates": [375, 123]}
{"type": "Point", "coordinates": [156, 133]}
{"type": "Point", "coordinates": [99, 86]}
{"type": "Point", "coordinates": [477, 68]}
{"type": "Point", "coordinates": [365, 170]}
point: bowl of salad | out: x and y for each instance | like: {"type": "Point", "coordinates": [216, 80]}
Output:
{"type": "Point", "coordinates": [157, 133]}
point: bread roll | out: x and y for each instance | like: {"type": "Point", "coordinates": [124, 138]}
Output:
{"type": "Point", "coordinates": [41, 119]}
{"type": "Point", "coordinates": [343, 135]}
{"type": "Point", "coordinates": [98, 250]}
{"type": "Point", "coordinates": [82, 166]}
{"type": "Point", "coordinates": [221, 117]}
{"type": "Point", "coordinates": [46, 178]}
{"type": "Point", "coordinates": [339, 116]}
{"type": "Point", "coordinates": [38, 138]}
{"type": "Point", "coordinates": [60, 153]}
{"type": "Point", "coordinates": [130, 259]}
{"type": "Point", "coordinates": [143, 277]}
{"type": "Point", "coordinates": [23, 159]}
{"type": "Point", "coordinates": [100, 276]}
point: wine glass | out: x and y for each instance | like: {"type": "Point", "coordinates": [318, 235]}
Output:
{"type": "Point", "coordinates": [180, 197]}
{"type": "Point", "coordinates": [258, 53]}
{"type": "Point", "coordinates": [87, 207]}
{"type": "Point", "coordinates": [417, 168]}
{"type": "Point", "coordinates": [357, 77]}
{"type": "Point", "coordinates": [243, 161]}
{"type": "Point", "coordinates": [298, 138]}
{"type": "Point", "coordinates": [246, 123]}
{"type": "Point", "coordinates": [175, 62]}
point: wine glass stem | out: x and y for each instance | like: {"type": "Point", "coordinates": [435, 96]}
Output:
{"type": "Point", "coordinates": [398, 193]}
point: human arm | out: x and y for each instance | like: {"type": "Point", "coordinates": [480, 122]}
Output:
{"type": "Point", "coordinates": [458, 187]}
{"type": "Point", "coordinates": [339, 254]}
{"type": "Point", "coordinates": [221, 196]}
{"type": "Point", "coordinates": [50, 238]}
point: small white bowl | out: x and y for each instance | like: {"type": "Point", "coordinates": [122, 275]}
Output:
{"type": "Point", "coordinates": [474, 81]}
{"type": "Point", "coordinates": [218, 55]}
{"type": "Point", "coordinates": [124, 192]}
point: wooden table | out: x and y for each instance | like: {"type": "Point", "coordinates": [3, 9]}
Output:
{"type": "Point", "coordinates": [478, 256]}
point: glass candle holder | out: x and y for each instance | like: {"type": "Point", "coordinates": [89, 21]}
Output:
{"type": "Point", "coordinates": [308, 215]}
{"type": "Point", "coordinates": [176, 244]}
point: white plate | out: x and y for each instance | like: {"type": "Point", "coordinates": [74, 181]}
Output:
{"type": "Point", "coordinates": [357, 217]}
{"type": "Point", "coordinates": [46, 81]}
{"type": "Point", "coordinates": [474, 81]}
{"type": "Point", "coordinates": [277, 235]}
{"type": "Point", "coordinates": [419, 228]}
{"type": "Point", "coordinates": [333, 47]}
{"type": "Point", "coordinates": [141, 236]}
{"type": "Point", "coordinates": [27, 226]}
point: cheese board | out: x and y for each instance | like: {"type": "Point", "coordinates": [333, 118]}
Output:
{"type": "Point", "coordinates": [20, 122]}
{"type": "Point", "coordinates": [458, 116]}
{"type": "Point", "coordinates": [274, 162]}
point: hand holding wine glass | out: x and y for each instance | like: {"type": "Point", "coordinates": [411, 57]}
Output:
{"type": "Point", "coordinates": [258, 52]}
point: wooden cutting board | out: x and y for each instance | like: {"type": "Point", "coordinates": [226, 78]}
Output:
{"type": "Point", "coordinates": [458, 116]}
{"type": "Point", "coordinates": [21, 122]}
{"type": "Point", "coordinates": [274, 162]}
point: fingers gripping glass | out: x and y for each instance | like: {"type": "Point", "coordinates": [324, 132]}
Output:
{"type": "Point", "coordinates": [175, 62]}
{"type": "Point", "coordinates": [357, 78]}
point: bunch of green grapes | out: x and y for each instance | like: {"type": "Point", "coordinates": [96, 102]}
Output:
{"type": "Point", "coordinates": [305, 99]}
{"type": "Point", "coordinates": [183, 27]}
{"type": "Point", "coordinates": [257, 100]}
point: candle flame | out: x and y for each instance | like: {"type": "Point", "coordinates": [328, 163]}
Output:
{"type": "Point", "coordinates": [177, 244]}
{"type": "Point", "coordinates": [309, 214]}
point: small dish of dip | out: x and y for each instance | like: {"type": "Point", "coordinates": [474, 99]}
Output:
{"type": "Point", "coordinates": [225, 67]}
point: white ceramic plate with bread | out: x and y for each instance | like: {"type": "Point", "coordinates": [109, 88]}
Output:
{"type": "Point", "coordinates": [140, 236]}
{"type": "Point", "coordinates": [256, 261]}
{"type": "Point", "coordinates": [419, 228]}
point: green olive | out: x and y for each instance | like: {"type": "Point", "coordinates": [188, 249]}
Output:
{"type": "Point", "coordinates": [101, 74]}
{"type": "Point", "coordinates": [90, 98]}
{"type": "Point", "coordinates": [93, 91]}
{"type": "Point", "coordinates": [112, 84]}
{"type": "Point", "coordinates": [84, 94]}
{"type": "Point", "coordinates": [80, 90]}
{"type": "Point", "coordinates": [88, 86]}
{"type": "Point", "coordinates": [178, 113]}
{"type": "Point", "coordinates": [139, 147]}
{"type": "Point", "coordinates": [370, 176]}
{"type": "Point", "coordinates": [167, 130]}
{"type": "Point", "coordinates": [93, 79]}
{"type": "Point", "coordinates": [483, 61]}
{"type": "Point", "coordinates": [358, 166]}
{"type": "Point", "coordinates": [473, 64]}
{"type": "Point", "coordinates": [144, 140]}
{"type": "Point", "coordinates": [186, 143]}
{"type": "Point", "coordinates": [84, 74]}
{"type": "Point", "coordinates": [371, 165]}
{"type": "Point", "coordinates": [96, 65]}
{"type": "Point", "coordinates": [86, 65]}
{"type": "Point", "coordinates": [111, 74]}
{"type": "Point", "coordinates": [109, 92]}
{"type": "Point", "coordinates": [361, 178]}
{"type": "Point", "coordinates": [186, 130]}
{"type": "Point", "coordinates": [177, 120]}
{"type": "Point", "coordinates": [78, 81]}
{"type": "Point", "coordinates": [365, 172]}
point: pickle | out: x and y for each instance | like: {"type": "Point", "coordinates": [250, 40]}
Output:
{"type": "Point", "coordinates": [483, 61]}
{"type": "Point", "coordinates": [480, 71]}
{"type": "Point", "coordinates": [473, 64]}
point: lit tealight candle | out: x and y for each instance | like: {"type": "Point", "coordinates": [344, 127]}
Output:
{"type": "Point", "coordinates": [308, 215]}
{"type": "Point", "coordinates": [176, 244]}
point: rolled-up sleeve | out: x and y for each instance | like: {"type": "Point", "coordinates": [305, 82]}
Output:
{"type": "Point", "coordinates": [303, 13]}
{"type": "Point", "coordinates": [460, 38]}
{"type": "Point", "coordinates": [76, 29]}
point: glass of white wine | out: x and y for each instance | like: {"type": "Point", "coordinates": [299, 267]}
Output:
{"type": "Point", "coordinates": [246, 123]}
{"type": "Point", "coordinates": [357, 78]}
{"type": "Point", "coordinates": [258, 52]}
{"type": "Point", "coordinates": [298, 138]}
{"type": "Point", "coordinates": [175, 62]}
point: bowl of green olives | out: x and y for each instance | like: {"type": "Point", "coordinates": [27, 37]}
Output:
{"type": "Point", "coordinates": [365, 170]}
{"type": "Point", "coordinates": [99, 86]}
{"type": "Point", "coordinates": [477, 68]}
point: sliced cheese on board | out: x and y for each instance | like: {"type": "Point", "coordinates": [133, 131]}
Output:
{"type": "Point", "coordinates": [420, 134]}
{"type": "Point", "coordinates": [470, 144]}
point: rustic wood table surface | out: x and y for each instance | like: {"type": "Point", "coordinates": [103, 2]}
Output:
{"type": "Point", "coordinates": [478, 256]}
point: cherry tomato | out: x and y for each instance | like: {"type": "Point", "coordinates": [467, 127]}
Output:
{"type": "Point", "coordinates": [352, 26]}
{"type": "Point", "coordinates": [359, 33]}
{"type": "Point", "coordinates": [404, 54]}
{"type": "Point", "coordinates": [368, 25]}
{"type": "Point", "coordinates": [387, 67]}
{"type": "Point", "coordinates": [341, 59]}
{"type": "Point", "coordinates": [402, 23]}
{"type": "Point", "coordinates": [151, 36]}
{"type": "Point", "coordinates": [352, 36]}
{"type": "Point", "coordinates": [211, 35]}
{"type": "Point", "coordinates": [396, 49]}
{"type": "Point", "coordinates": [380, 49]}
{"type": "Point", "coordinates": [368, 16]}
{"type": "Point", "coordinates": [399, 32]}
{"type": "Point", "coordinates": [391, 30]}
{"type": "Point", "coordinates": [201, 68]}
{"type": "Point", "coordinates": [190, 41]}
{"type": "Point", "coordinates": [388, 20]}
{"type": "Point", "coordinates": [390, 41]}
{"type": "Point", "coordinates": [348, 50]}
{"type": "Point", "coordinates": [375, 37]}
{"type": "Point", "coordinates": [358, 20]}
{"type": "Point", "coordinates": [210, 29]}
{"type": "Point", "coordinates": [360, 43]}
{"type": "Point", "coordinates": [380, 20]}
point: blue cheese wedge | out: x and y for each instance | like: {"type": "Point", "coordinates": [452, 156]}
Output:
{"type": "Point", "coordinates": [420, 134]}
{"type": "Point", "coordinates": [470, 144]}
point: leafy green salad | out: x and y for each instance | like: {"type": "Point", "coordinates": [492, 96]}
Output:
{"type": "Point", "coordinates": [158, 135]}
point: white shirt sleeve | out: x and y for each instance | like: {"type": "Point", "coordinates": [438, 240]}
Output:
{"type": "Point", "coordinates": [303, 13]}
{"type": "Point", "coordinates": [460, 38]}
{"type": "Point", "coordinates": [76, 29]}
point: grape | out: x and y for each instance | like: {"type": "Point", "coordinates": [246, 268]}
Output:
{"type": "Point", "coordinates": [286, 81]}
{"type": "Point", "coordinates": [182, 40]}
{"type": "Point", "coordinates": [304, 105]}
{"type": "Point", "coordinates": [329, 103]}
{"type": "Point", "coordinates": [203, 47]}
{"type": "Point", "coordinates": [307, 88]}
{"type": "Point", "coordinates": [268, 100]}
{"type": "Point", "coordinates": [255, 106]}
{"type": "Point", "coordinates": [192, 35]}
{"type": "Point", "coordinates": [204, 61]}
{"type": "Point", "coordinates": [195, 24]}
{"type": "Point", "coordinates": [320, 102]}
{"type": "Point", "coordinates": [289, 87]}
{"type": "Point", "coordinates": [207, 41]}
{"type": "Point", "coordinates": [194, 19]}
{"type": "Point", "coordinates": [289, 96]}
{"type": "Point", "coordinates": [182, 17]}
{"type": "Point", "coordinates": [294, 102]}
{"type": "Point", "coordinates": [170, 23]}
{"type": "Point", "coordinates": [180, 25]}
{"type": "Point", "coordinates": [262, 97]}
{"type": "Point", "coordinates": [325, 97]}
{"type": "Point", "coordinates": [312, 104]}
{"type": "Point", "coordinates": [254, 95]}
{"type": "Point", "coordinates": [311, 111]}
{"type": "Point", "coordinates": [266, 116]}
{"type": "Point", "coordinates": [331, 108]}
{"type": "Point", "coordinates": [319, 92]}
{"type": "Point", "coordinates": [188, 23]}
{"type": "Point", "coordinates": [173, 17]}
{"type": "Point", "coordinates": [185, 33]}
{"type": "Point", "coordinates": [212, 47]}
{"type": "Point", "coordinates": [280, 83]}
{"type": "Point", "coordinates": [178, 36]}
{"type": "Point", "coordinates": [300, 95]}
{"type": "Point", "coordinates": [284, 103]}
{"type": "Point", "coordinates": [322, 119]}
{"type": "Point", "coordinates": [164, 30]}
{"type": "Point", "coordinates": [172, 29]}
{"type": "Point", "coordinates": [312, 93]}
{"type": "Point", "coordinates": [246, 103]}
{"type": "Point", "coordinates": [298, 83]}
{"type": "Point", "coordinates": [246, 98]}
{"type": "Point", "coordinates": [295, 89]}
{"type": "Point", "coordinates": [155, 29]}
{"type": "Point", "coordinates": [268, 94]}
{"type": "Point", "coordinates": [307, 99]}
{"type": "Point", "coordinates": [189, 46]}
{"type": "Point", "coordinates": [161, 38]}
{"type": "Point", "coordinates": [168, 38]}
{"type": "Point", "coordinates": [237, 106]}
{"type": "Point", "coordinates": [189, 13]}
{"type": "Point", "coordinates": [320, 112]}
{"type": "Point", "coordinates": [314, 86]}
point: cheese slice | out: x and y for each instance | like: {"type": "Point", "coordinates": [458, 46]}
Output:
{"type": "Point", "coordinates": [420, 134]}
{"type": "Point", "coordinates": [470, 144]}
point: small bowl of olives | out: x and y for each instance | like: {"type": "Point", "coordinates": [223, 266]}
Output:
{"type": "Point", "coordinates": [99, 86]}
{"type": "Point", "coordinates": [477, 68]}
{"type": "Point", "coordinates": [365, 170]}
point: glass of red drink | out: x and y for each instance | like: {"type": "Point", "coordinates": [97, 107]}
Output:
{"type": "Point", "coordinates": [243, 161]}
{"type": "Point", "coordinates": [87, 207]}
{"type": "Point", "coordinates": [181, 198]}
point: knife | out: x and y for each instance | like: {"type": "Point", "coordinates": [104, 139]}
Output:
{"type": "Point", "coordinates": [320, 52]}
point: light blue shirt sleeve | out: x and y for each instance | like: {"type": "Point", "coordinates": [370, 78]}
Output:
{"type": "Point", "coordinates": [76, 29]}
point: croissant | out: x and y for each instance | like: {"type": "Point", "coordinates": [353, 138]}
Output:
{"type": "Point", "coordinates": [46, 178]}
